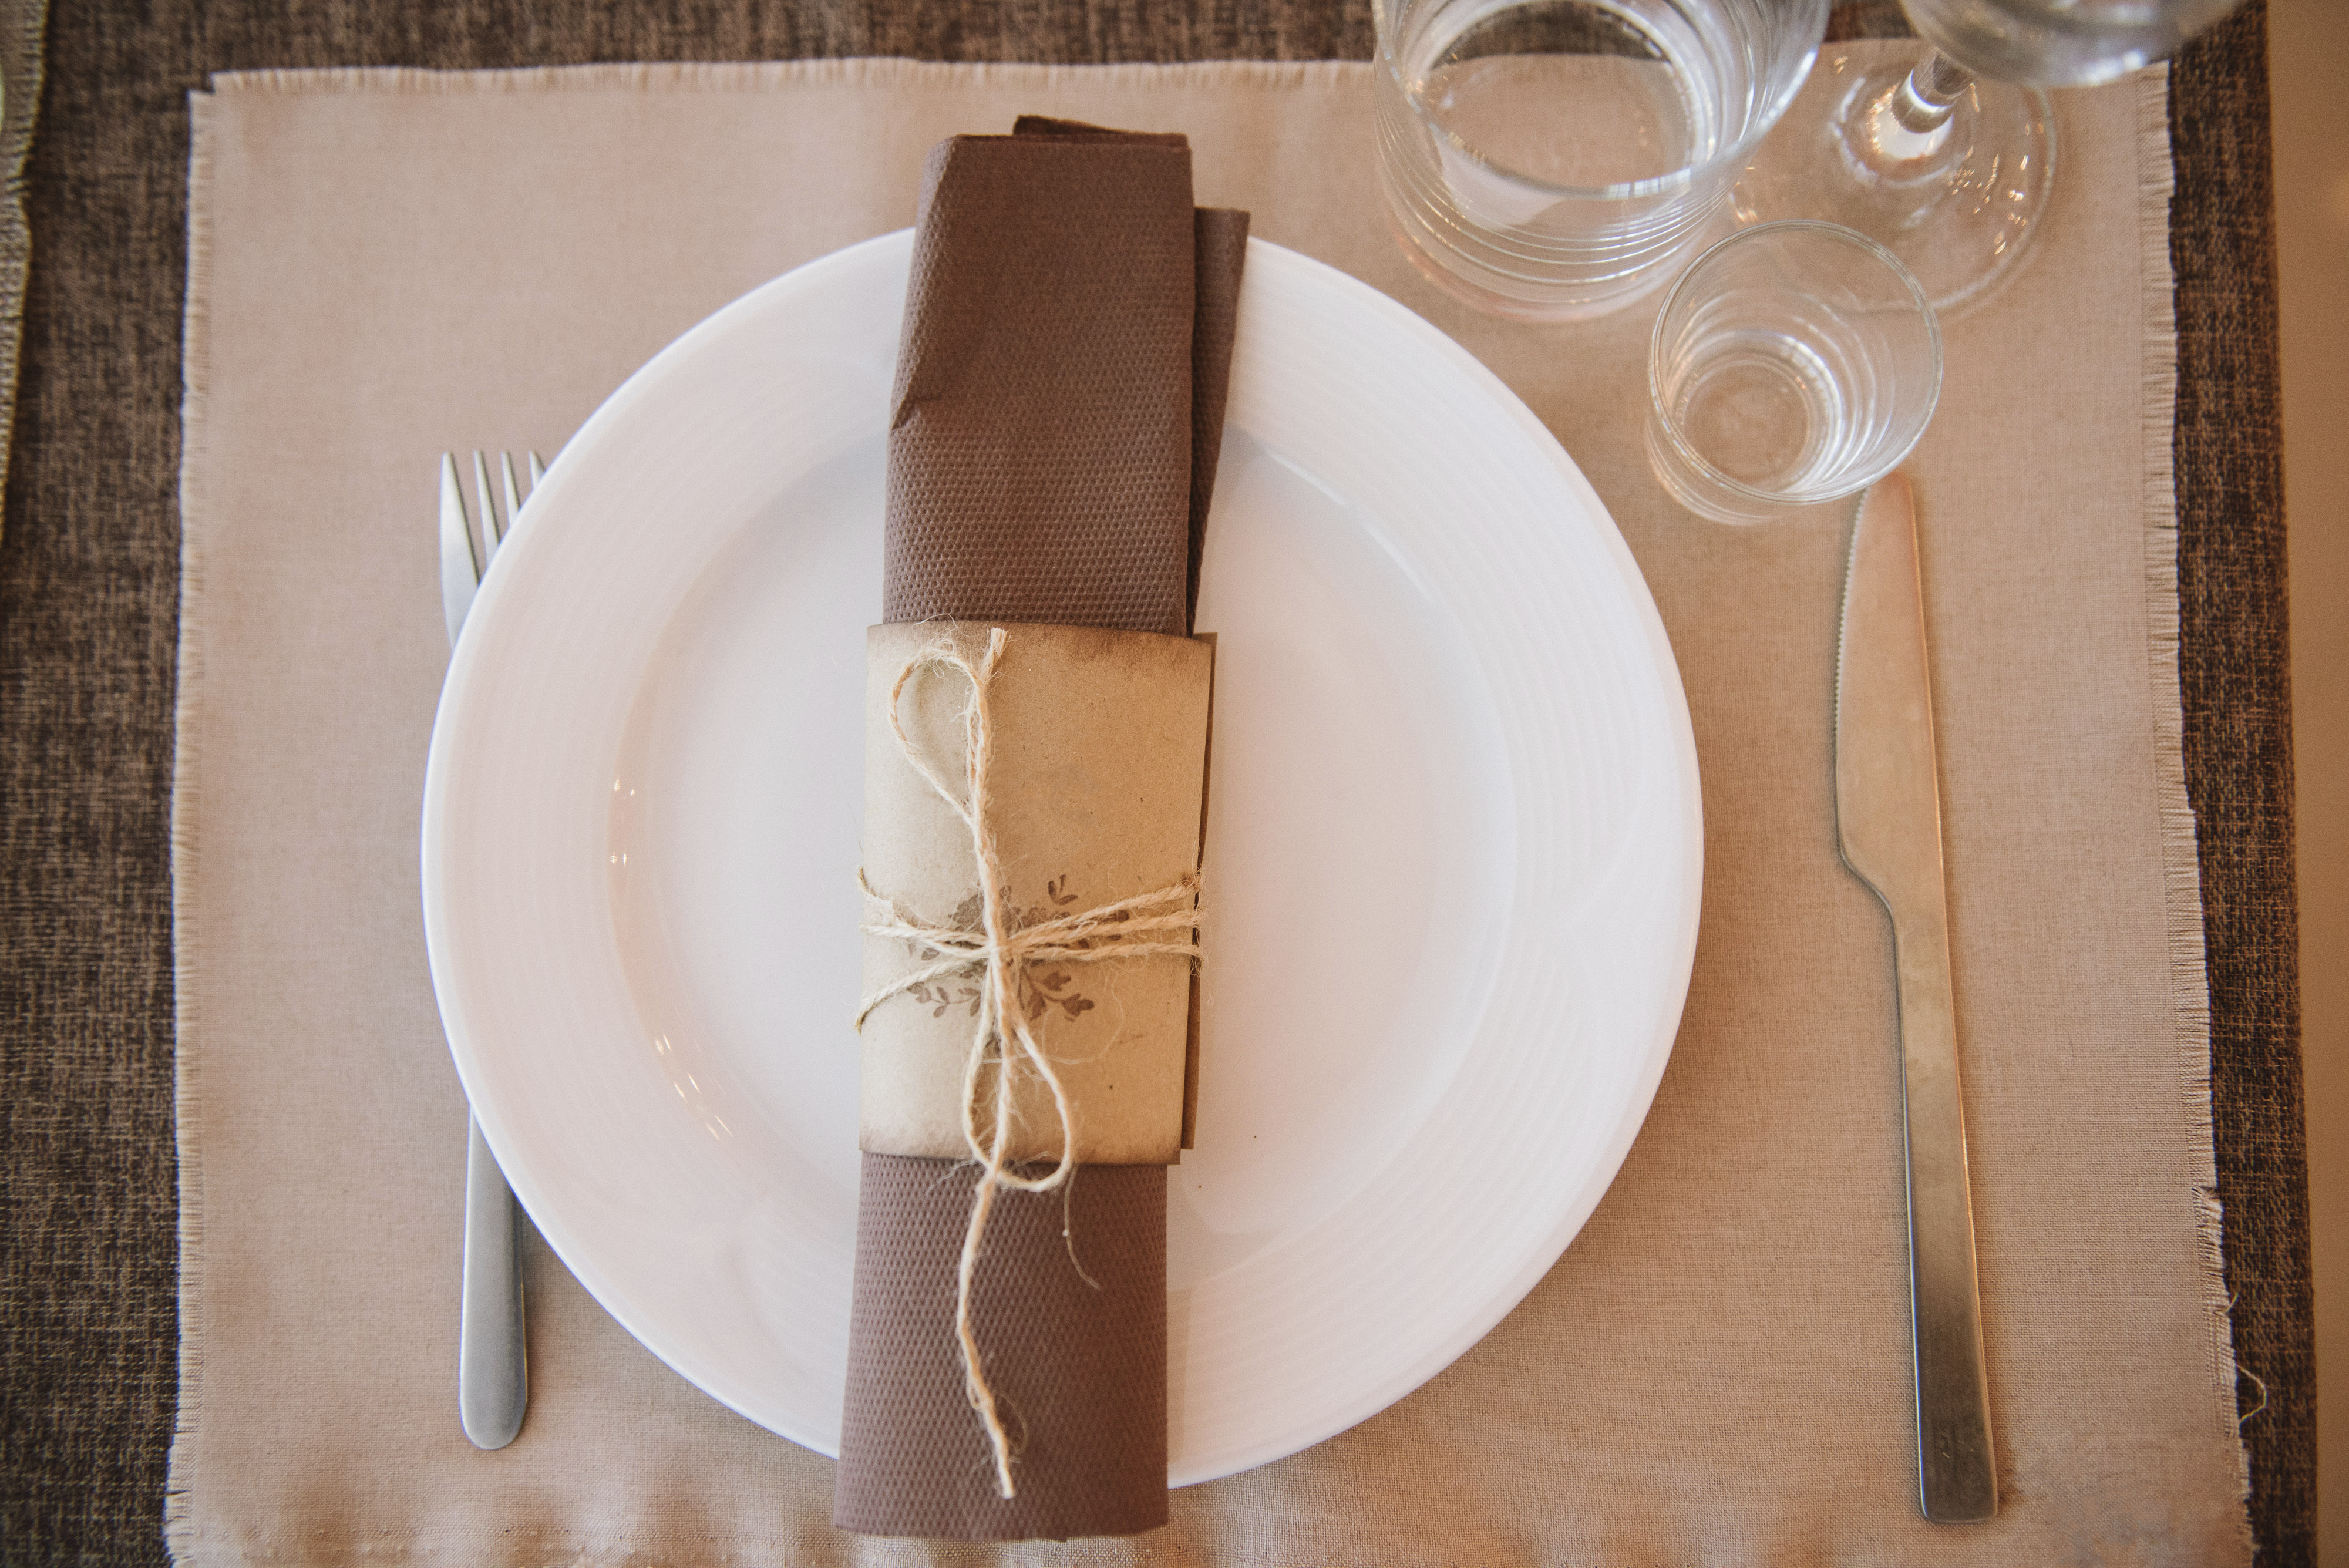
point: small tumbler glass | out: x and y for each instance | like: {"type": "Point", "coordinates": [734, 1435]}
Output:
{"type": "Point", "coordinates": [1553, 159]}
{"type": "Point", "coordinates": [1793, 363]}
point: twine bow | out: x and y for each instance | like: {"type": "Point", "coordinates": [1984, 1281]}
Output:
{"type": "Point", "coordinates": [1157, 924]}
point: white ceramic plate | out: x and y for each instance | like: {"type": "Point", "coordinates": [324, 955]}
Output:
{"type": "Point", "coordinates": [1454, 856]}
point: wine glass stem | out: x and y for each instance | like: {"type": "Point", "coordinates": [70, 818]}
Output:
{"type": "Point", "coordinates": [1927, 98]}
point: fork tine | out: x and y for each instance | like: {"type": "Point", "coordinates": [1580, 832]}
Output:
{"type": "Point", "coordinates": [460, 559]}
{"type": "Point", "coordinates": [494, 524]}
{"type": "Point", "coordinates": [491, 534]}
{"type": "Point", "coordinates": [514, 500]}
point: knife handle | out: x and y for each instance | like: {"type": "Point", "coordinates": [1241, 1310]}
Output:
{"type": "Point", "coordinates": [1957, 1471]}
{"type": "Point", "coordinates": [493, 1376]}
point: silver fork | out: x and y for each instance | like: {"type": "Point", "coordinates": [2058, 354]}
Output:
{"type": "Point", "coordinates": [493, 1375]}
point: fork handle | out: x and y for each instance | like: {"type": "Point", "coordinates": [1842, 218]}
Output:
{"type": "Point", "coordinates": [493, 1376]}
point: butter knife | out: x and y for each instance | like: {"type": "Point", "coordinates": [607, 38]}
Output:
{"type": "Point", "coordinates": [1889, 817]}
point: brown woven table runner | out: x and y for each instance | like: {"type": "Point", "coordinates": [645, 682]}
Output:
{"type": "Point", "coordinates": [88, 592]}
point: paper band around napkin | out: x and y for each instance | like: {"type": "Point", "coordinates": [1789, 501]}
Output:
{"type": "Point", "coordinates": [1084, 752]}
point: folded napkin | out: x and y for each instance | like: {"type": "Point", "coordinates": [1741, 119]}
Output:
{"type": "Point", "coordinates": [1057, 417]}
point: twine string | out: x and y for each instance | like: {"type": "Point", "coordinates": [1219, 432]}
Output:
{"type": "Point", "coordinates": [999, 952]}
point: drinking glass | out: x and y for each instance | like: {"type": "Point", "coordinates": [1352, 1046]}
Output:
{"type": "Point", "coordinates": [1948, 159]}
{"type": "Point", "coordinates": [1793, 363]}
{"type": "Point", "coordinates": [1551, 159]}
{"type": "Point", "coordinates": [2060, 43]}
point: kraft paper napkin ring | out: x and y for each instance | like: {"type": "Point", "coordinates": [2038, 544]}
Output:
{"type": "Point", "coordinates": [1160, 922]}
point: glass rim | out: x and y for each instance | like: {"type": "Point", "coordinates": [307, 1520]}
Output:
{"type": "Point", "coordinates": [1672, 183]}
{"type": "Point", "coordinates": [1704, 467]}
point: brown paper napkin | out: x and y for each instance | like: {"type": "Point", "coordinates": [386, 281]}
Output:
{"type": "Point", "coordinates": [1057, 418]}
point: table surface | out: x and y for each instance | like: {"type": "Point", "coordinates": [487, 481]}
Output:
{"type": "Point", "coordinates": [89, 610]}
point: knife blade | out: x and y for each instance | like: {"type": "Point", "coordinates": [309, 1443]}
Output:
{"type": "Point", "coordinates": [1888, 818]}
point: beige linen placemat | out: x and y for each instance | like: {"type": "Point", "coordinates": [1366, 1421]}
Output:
{"type": "Point", "coordinates": [386, 265]}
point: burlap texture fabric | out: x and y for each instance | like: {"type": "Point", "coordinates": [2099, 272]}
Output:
{"type": "Point", "coordinates": [88, 610]}
{"type": "Point", "coordinates": [2234, 681]}
{"type": "Point", "coordinates": [21, 23]}
{"type": "Point", "coordinates": [1058, 414]}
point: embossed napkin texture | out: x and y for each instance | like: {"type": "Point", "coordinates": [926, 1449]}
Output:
{"type": "Point", "coordinates": [1717, 1371]}
{"type": "Point", "coordinates": [1058, 412]}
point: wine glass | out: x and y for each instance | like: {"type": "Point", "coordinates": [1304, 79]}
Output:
{"type": "Point", "coordinates": [1947, 158]}
{"type": "Point", "coordinates": [2060, 43]}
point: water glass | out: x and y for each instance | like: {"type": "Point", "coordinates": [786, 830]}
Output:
{"type": "Point", "coordinates": [1793, 363]}
{"type": "Point", "coordinates": [1551, 159]}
